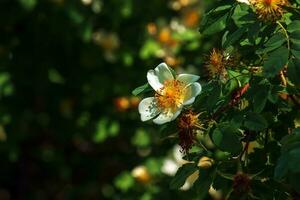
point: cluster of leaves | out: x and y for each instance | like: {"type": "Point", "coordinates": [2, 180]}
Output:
{"type": "Point", "coordinates": [66, 69]}
{"type": "Point", "coordinates": [257, 102]}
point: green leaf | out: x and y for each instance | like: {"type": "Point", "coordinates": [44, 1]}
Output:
{"type": "Point", "coordinates": [276, 61]}
{"type": "Point", "coordinates": [255, 122]}
{"type": "Point", "coordinates": [216, 26]}
{"type": "Point", "coordinates": [260, 98]}
{"type": "Point", "coordinates": [296, 53]}
{"type": "Point", "coordinates": [258, 94]}
{"type": "Point", "coordinates": [273, 43]}
{"type": "Point", "coordinates": [222, 8]}
{"type": "Point", "coordinates": [293, 71]}
{"type": "Point", "coordinates": [203, 183]}
{"type": "Point", "coordinates": [295, 36]}
{"type": "Point", "coordinates": [182, 174]}
{"type": "Point", "coordinates": [241, 15]}
{"type": "Point", "coordinates": [293, 179]}
{"type": "Point", "coordinates": [273, 93]}
{"type": "Point", "coordinates": [253, 32]}
{"type": "Point", "coordinates": [296, 45]}
{"type": "Point", "coordinates": [291, 138]}
{"type": "Point", "coordinates": [141, 89]}
{"type": "Point", "coordinates": [294, 160]}
{"type": "Point", "coordinates": [289, 161]}
{"type": "Point", "coordinates": [276, 40]}
{"type": "Point", "coordinates": [225, 136]}
{"type": "Point", "coordinates": [220, 181]}
{"type": "Point", "coordinates": [213, 97]}
{"type": "Point", "coordinates": [211, 15]}
{"type": "Point", "coordinates": [237, 118]}
{"type": "Point", "coordinates": [294, 26]}
{"type": "Point", "coordinates": [168, 129]}
{"type": "Point", "coordinates": [235, 36]}
{"type": "Point", "coordinates": [233, 82]}
{"type": "Point", "coordinates": [281, 168]}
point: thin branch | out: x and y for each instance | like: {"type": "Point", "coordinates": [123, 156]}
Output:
{"type": "Point", "coordinates": [286, 35]}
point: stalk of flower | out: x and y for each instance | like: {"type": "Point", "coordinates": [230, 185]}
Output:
{"type": "Point", "coordinates": [172, 94]}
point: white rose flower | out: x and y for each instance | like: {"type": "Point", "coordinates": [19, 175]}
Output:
{"type": "Point", "coordinates": [172, 94]}
{"type": "Point", "coordinates": [244, 1]}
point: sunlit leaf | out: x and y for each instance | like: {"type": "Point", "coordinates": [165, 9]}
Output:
{"type": "Point", "coordinates": [182, 174]}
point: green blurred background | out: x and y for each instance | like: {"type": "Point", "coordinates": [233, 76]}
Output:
{"type": "Point", "coordinates": [69, 126]}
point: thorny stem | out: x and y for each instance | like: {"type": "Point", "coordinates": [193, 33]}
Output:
{"type": "Point", "coordinates": [266, 137]}
{"type": "Point", "coordinates": [283, 79]}
{"type": "Point", "coordinates": [245, 150]}
{"type": "Point", "coordinates": [297, 103]}
{"type": "Point", "coordinates": [286, 35]}
{"type": "Point", "coordinates": [202, 146]}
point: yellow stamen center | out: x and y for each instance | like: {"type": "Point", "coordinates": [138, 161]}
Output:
{"type": "Point", "coordinates": [268, 2]}
{"type": "Point", "coordinates": [171, 96]}
{"type": "Point", "coordinates": [269, 9]}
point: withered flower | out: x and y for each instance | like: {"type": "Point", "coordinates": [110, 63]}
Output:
{"type": "Point", "coordinates": [188, 123]}
{"type": "Point", "coordinates": [241, 184]}
{"type": "Point", "coordinates": [216, 64]}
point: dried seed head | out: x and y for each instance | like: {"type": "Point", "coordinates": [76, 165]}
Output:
{"type": "Point", "coordinates": [216, 64]}
{"type": "Point", "coordinates": [241, 184]}
{"type": "Point", "coordinates": [188, 123]}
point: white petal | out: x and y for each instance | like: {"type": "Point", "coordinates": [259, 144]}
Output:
{"type": "Point", "coordinates": [176, 114]}
{"type": "Point", "coordinates": [163, 118]}
{"type": "Point", "coordinates": [158, 76]}
{"type": "Point", "coordinates": [187, 78]}
{"type": "Point", "coordinates": [178, 155]}
{"type": "Point", "coordinates": [244, 1]}
{"type": "Point", "coordinates": [148, 109]}
{"type": "Point", "coordinates": [193, 91]}
{"type": "Point", "coordinates": [167, 117]}
{"type": "Point", "coordinates": [163, 72]}
{"type": "Point", "coordinates": [153, 80]}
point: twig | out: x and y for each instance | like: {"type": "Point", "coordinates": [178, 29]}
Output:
{"type": "Point", "coordinates": [286, 35]}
